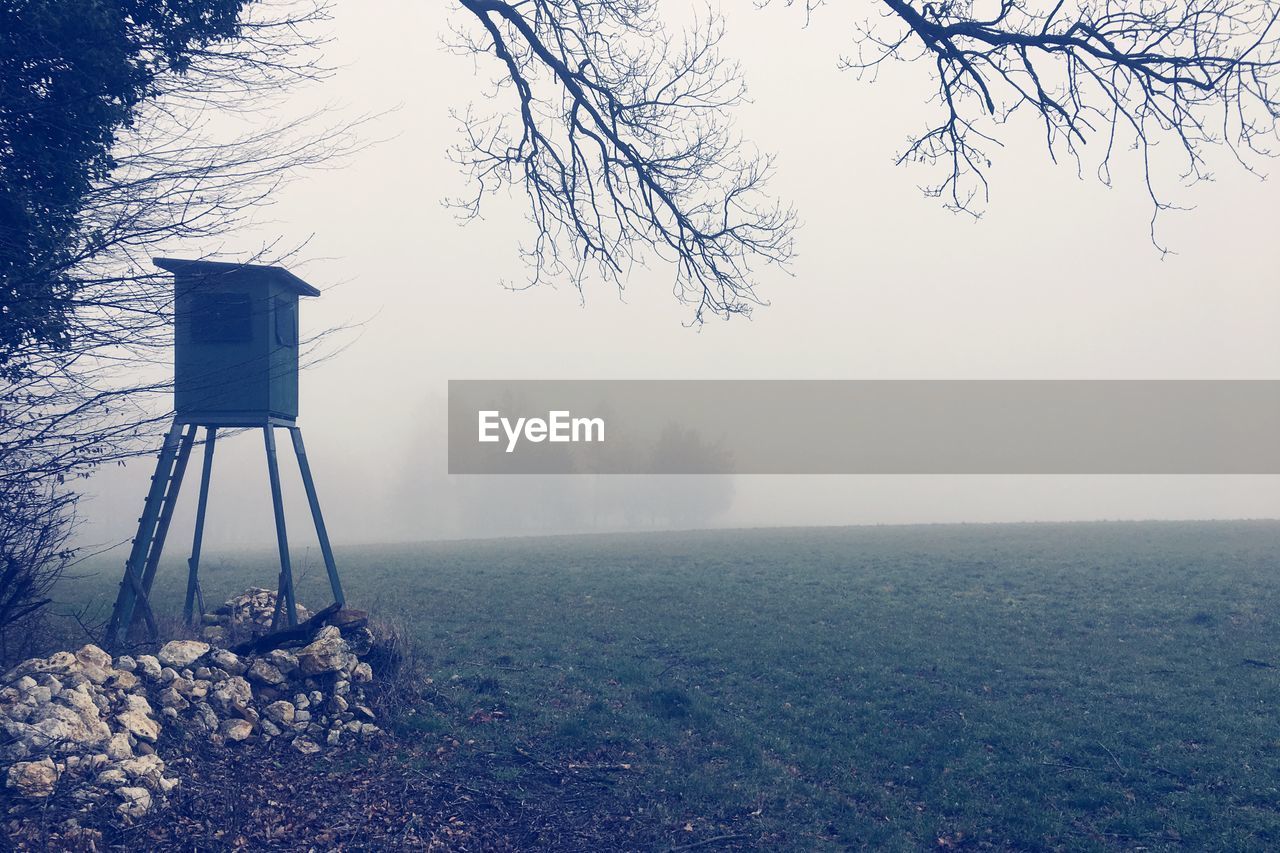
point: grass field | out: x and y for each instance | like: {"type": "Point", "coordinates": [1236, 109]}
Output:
{"type": "Point", "coordinates": [1055, 687]}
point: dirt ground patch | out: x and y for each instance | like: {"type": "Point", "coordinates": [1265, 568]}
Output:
{"type": "Point", "coordinates": [363, 797]}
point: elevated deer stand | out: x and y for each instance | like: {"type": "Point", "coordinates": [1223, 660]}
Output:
{"type": "Point", "coordinates": [235, 367]}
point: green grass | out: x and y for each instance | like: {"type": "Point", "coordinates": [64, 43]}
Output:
{"type": "Point", "coordinates": [1056, 687]}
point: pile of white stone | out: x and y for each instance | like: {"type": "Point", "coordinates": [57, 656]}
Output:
{"type": "Point", "coordinates": [87, 725]}
{"type": "Point", "coordinates": [249, 613]}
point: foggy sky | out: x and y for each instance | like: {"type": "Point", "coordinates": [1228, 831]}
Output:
{"type": "Point", "coordinates": [1058, 280]}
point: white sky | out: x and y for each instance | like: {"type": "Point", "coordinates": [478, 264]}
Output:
{"type": "Point", "coordinates": [1057, 280]}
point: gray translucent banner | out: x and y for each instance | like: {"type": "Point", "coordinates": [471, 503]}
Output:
{"type": "Point", "coordinates": [864, 427]}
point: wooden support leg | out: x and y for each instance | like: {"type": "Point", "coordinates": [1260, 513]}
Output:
{"type": "Point", "coordinates": [285, 591]}
{"type": "Point", "coordinates": [194, 596]}
{"type": "Point", "coordinates": [142, 602]}
{"type": "Point", "coordinates": [322, 534]}
{"type": "Point", "coordinates": [131, 590]}
{"type": "Point", "coordinates": [166, 510]}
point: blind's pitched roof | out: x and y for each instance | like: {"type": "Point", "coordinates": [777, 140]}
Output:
{"type": "Point", "coordinates": [212, 268]}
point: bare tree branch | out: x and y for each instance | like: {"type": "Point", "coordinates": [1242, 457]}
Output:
{"type": "Point", "coordinates": [621, 145]}
{"type": "Point", "coordinates": [1186, 74]}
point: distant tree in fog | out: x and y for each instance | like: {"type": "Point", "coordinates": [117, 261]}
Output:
{"type": "Point", "coordinates": [689, 482]}
{"type": "Point", "coordinates": [696, 482]}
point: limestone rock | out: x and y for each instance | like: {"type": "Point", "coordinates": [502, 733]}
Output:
{"type": "Point", "coordinates": [227, 660]}
{"type": "Point", "coordinates": [182, 653]}
{"type": "Point", "coordinates": [139, 725]}
{"type": "Point", "coordinates": [136, 718]}
{"type": "Point", "coordinates": [111, 777]}
{"type": "Point", "coordinates": [94, 656]}
{"type": "Point", "coordinates": [146, 770]}
{"type": "Point", "coordinates": [81, 837]}
{"type": "Point", "coordinates": [149, 665]}
{"type": "Point", "coordinates": [282, 712]}
{"type": "Point", "coordinates": [205, 717]}
{"type": "Point", "coordinates": [48, 680]}
{"type": "Point", "coordinates": [285, 661]}
{"type": "Point", "coordinates": [231, 696]}
{"type": "Point", "coordinates": [261, 672]}
{"type": "Point", "coordinates": [236, 730]}
{"type": "Point", "coordinates": [327, 653]}
{"type": "Point", "coordinates": [171, 698]}
{"type": "Point", "coordinates": [35, 779]}
{"type": "Point", "coordinates": [61, 728]}
{"type": "Point", "coordinates": [118, 748]}
{"type": "Point", "coordinates": [137, 802]}
{"type": "Point", "coordinates": [123, 680]}
{"type": "Point", "coordinates": [59, 662]}
{"type": "Point", "coordinates": [306, 745]}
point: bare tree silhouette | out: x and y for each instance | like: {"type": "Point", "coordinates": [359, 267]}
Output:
{"type": "Point", "coordinates": [618, 138]}
{"type": "Point", "coordinates": [622, 142]}
{"type": "Point", "coordinates": [1121, 73]}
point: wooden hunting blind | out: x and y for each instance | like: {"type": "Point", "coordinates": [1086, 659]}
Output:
{"type": "Point", "coordinates": [235, 366]}
{"type": "Point", "coordinates": [235, 351]}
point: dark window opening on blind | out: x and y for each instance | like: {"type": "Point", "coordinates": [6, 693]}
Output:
{"type": "Point", "coordinates": [221, 318]}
